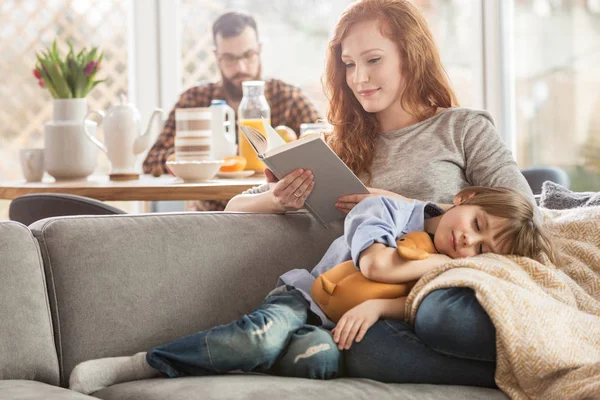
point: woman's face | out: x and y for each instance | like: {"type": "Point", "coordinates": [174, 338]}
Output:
{"type": "Point", "coordinates": [373, 67]}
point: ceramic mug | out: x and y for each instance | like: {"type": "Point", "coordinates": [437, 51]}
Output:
{"type": "Point", "coordinates": [32, 164]}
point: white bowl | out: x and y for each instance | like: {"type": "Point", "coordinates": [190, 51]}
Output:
{"type": "Point", "coordinates": [195, 171]}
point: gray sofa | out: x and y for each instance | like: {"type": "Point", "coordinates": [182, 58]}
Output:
{"type": "Point", "coordinates": [78, 288]}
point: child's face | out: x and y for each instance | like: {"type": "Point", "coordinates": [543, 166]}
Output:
{"type": "Point", "coordinates": [467, 230]}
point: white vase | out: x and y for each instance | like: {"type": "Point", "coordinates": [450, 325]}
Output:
{"type": "Point", "coordinates": [68, 153]}
{"type": "Point", "coordinates": [69, 109]}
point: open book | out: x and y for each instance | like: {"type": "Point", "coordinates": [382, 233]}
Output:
{"type": "Point", "coordinates": [332, 177]}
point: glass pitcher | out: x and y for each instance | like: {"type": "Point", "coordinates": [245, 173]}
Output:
{"type": "Point", "coordinates": [252, 109]}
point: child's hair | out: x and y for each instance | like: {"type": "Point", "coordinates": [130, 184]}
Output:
{"type": "Point", "coordinates": [527, 238]}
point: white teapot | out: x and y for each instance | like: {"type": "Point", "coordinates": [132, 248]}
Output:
{"type": "Point", "coordinates": [123, 139]}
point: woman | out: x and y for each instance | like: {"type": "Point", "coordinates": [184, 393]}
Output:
{"type": "Point", "coordinates": [396, 125]}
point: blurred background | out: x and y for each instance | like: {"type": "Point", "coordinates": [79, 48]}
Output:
{"type": "Point", "coordinates": [532, 63]}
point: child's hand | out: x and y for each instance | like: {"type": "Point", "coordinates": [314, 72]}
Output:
{"type": "Point", "coordinates": [355, 323]}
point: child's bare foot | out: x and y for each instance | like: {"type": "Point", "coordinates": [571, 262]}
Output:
{"type": "Point", "coordinates": [93, 375]}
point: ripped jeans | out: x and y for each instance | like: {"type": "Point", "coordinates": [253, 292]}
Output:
{"type": "Point", "coordinates": [274, 338]}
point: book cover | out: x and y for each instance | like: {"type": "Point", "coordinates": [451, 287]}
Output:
{"type": "Point", "coordinates": [332, 177]}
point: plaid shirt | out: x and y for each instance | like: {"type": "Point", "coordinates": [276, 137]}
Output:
{"type": "Point", "coordinates": [289, 106]}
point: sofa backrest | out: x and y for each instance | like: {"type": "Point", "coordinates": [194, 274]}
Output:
{"type": "Point", "coordinates": [26, 340]}
{"type": "Point", "coordinates": [122, 284]}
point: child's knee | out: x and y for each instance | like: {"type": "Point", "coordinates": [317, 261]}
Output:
{"type": "Point", "coordinates": [265, 342]}
{"type": "Point", "coordinates": [312, 353]}
{"type": "Point", "coordinates": [449, 312]}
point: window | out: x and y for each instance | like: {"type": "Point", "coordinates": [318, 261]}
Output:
{"type": "Point", "coordinates": [29, 26]}
{"type": "Point", "coordinates": [557, 53]}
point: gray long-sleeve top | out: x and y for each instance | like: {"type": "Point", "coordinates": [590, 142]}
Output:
{"type": "Point", "coordinates": [434, 159]}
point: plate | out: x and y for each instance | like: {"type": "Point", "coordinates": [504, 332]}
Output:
{"type": "Point", "coordinates": [234, 175]}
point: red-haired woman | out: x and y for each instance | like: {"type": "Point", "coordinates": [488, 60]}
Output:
{"type": "Point", "coordinates": [398, 126]}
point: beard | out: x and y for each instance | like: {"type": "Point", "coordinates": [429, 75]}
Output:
{"type": "Point", "coordinates": [232, 89]}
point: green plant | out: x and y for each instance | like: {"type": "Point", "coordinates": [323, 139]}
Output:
{"type": "Point", "coordinates": [71, 77]}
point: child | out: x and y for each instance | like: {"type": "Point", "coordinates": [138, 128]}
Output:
{"type": "Point", "coordinates": [288, 334]}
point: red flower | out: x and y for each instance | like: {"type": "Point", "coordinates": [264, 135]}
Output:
{"type": "Point", "coordinates": [90, 68]}
{"type": "Point", "coordinates": [41, 83]}
{"type": "Point", "coordinates": [37, 74]}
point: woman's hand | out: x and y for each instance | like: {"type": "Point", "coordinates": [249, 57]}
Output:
{"type": "Point", "coordinates": [355, 323]}
{"type": "Point", "coordinates": [347, 203]}
{"type": "Point", "coordinates": [290, 193]}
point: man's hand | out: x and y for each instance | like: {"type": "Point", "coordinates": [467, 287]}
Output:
{"type": "Point", "coordinates": [348, 202]}
{"type": "Point", "coordinates": [355, 323]}
{"type": "Point", "coordinates": [290, 193]}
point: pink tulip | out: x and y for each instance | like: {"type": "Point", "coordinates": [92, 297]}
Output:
{"type": "Point", "coordinates": [37, 74]}
{"type": "Point", "coordinates": [41, 83]}
{"type": "Point", "coordinates": [90, 68]}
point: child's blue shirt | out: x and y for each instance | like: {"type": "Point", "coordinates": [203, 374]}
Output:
{"type": "Point", "coordinates": [373, 220]}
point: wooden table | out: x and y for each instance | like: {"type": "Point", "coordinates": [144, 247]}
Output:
{"type": "Point", "coordinates": [147, 188]}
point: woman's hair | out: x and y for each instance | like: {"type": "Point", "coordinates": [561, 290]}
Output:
{"type": "Point", "coordinates": [524, 233]}
{"type": "Point", "coordinates": [427, 85]}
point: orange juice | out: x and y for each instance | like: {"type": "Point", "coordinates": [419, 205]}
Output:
{"type": "Point", "coordinates": [253, 162]}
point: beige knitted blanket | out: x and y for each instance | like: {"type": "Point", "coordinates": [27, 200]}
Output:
{"type": "Point", "coordinates": [547, 317]}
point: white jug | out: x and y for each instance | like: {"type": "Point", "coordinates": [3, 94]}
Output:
{"type": "Point", "coordinates": [223, 130]}
{"type": "Point", "coordinates": [123, 139]}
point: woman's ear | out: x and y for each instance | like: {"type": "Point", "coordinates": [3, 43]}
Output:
{"type": "Point", "coordinates": [458, 200]}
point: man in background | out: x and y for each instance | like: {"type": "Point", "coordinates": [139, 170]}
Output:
{"type": "Point", "coordinates": [237, 50]}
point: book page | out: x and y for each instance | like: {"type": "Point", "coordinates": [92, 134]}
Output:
{"type": "Point", "coordinates": [273, 138]}
{"type": "Point", "coordinates": [255, 138]}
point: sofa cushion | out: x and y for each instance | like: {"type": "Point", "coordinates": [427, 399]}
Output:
{"type": "Point", "coordinates": [30, 390]}
{"type": "Point", "coordinates": [255, 386]}
{"type": "Point", "coordinates": [557, 197]}
{"type": "Point", "coordinates": [26, 341]}
{"type": "Point", "coordinates": [122, 284]}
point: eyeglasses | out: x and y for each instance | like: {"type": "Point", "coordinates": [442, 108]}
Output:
{"type": "Point", "coordinates": [229, 60]}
